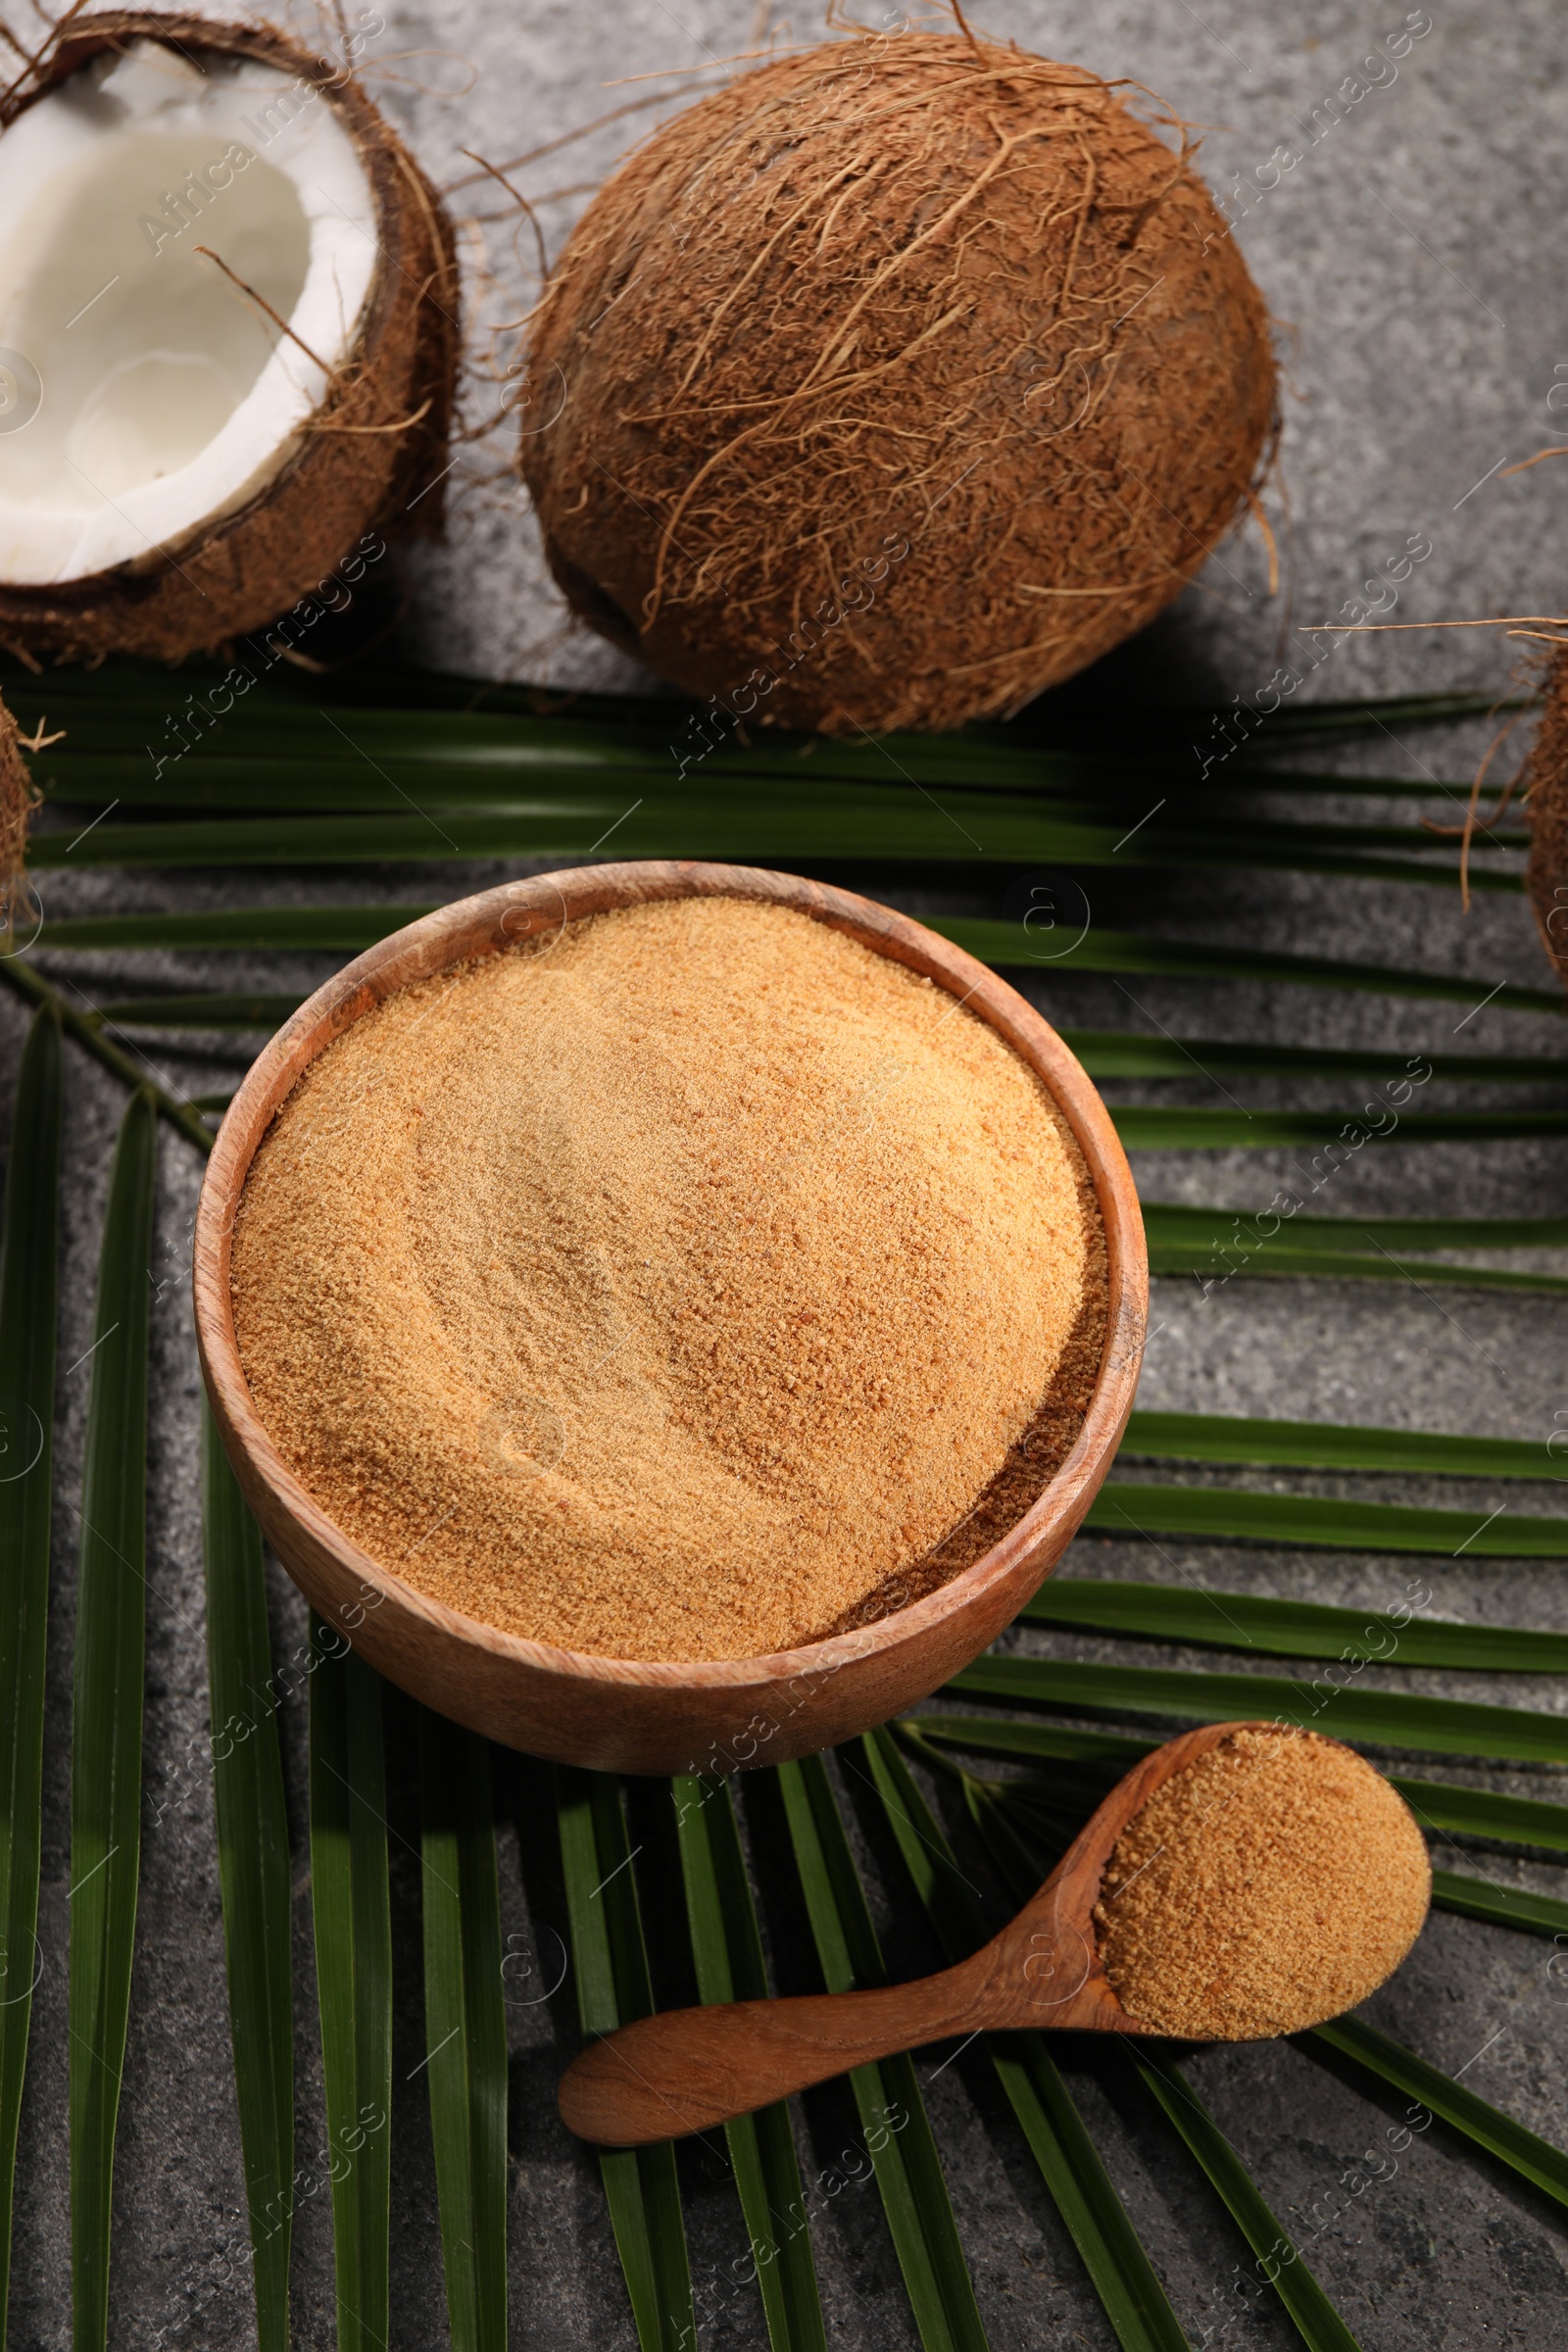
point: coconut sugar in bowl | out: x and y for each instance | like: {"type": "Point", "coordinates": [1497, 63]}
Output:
{"type": "Point", "coordinates": [668, 1316]}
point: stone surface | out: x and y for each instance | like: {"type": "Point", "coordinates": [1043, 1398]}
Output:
{"type": "Point", "coordinates": [1410, 256]}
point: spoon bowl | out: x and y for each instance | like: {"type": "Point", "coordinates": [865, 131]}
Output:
{"type": "Point", "coordinates": [688, 2069]}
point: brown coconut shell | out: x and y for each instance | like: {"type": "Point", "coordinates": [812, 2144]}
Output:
{"type": "Point", "coordinates": [907, 293]}
{"type": "Point", "coordinates": [1546, 789]}
{"type": "Point", "coordinates": [375, 451]}
{"type": "Point", "coordinates": [18, 801]}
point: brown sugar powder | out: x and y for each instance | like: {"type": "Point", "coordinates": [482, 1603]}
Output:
{"type": "Point", "coordinates": [682, 1292]}
{"type": "Point", "coordinates": [1273, 1882]}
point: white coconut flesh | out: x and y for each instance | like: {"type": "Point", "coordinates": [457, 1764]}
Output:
{"type": "Point", "coordinates": [143, 394]}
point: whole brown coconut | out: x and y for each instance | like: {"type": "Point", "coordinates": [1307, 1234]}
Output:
{"type": "Point", "coordinates": [372, 449]}
{"type": "Point", "coordinates": [1545, 784]}
{"type": "Point", "coordinates": [891, 383]}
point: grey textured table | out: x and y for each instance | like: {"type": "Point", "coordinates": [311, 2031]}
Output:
{"type": "Point", "coordinates": [1412, 256]}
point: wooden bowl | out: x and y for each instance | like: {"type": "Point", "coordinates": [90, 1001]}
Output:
{"type": "Point", "coordinates": [628, 1714]}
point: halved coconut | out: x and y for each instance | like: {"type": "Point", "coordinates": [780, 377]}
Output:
{"type": "Point", "coordinates": [228, 337]}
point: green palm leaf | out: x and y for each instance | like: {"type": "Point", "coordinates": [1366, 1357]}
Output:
{"type": "Point", "coordinates": [275, 930]}
{"type": "Point", "coordinates": [125, 686]}
{"type": "Point", "coordinates": [470, 748]}
{"type": "Point", "coordinates": [727, 1950]}
{"type": "Point", "coordinates": [1291, 1629]}
{"type": "Point", "coordinates": [894, 2122]}
{"type": "Point", "coordinates": [29, 1272]}
{"type": "Point", "coordinates": [107, 1712]}
{"type": "Point", "coordinates": [1359, 716]}
{"type": "Point", "coordinates": [1093, 1760]}
{"type": "Point", "coordinates": [1134, 1053]}
{"type": "Point", "coordinates": [351, 1904]}
{"type": "Point", "coordinates": [613, 1986]}
{"type": "Point", "coordinates": [1335, 1445]}
{"type": "Point", "coordinates": [1105, 1753]}
{"type": "Point", "coordinates": [800, 819]}
{"type": "Point", "coordinates": [19, 976]}
{"type": "Point", "coordinates": [1134, 2303]}
{"type": "Point", "coordinates": [1482, 1813]}
{"type": "Point", "coordinates": [382, 764]}
{"type": "Point", "coordinates": [363, 763]}
{"type": "Point", "coordinates": [253, 1871]}
{"type": "Point", "coordinates": [570, 828]}
{"type": "Point", "coordinates": [1167, 1223]}
{"type": "Point", "coordinates": [1049, 940]}
{"type": "Point", "coordinates": [198, 1012]}
{"type": "Point", "coordinates": [1277, 1263]}
{"type": "Point", "coordinates": [1384, 1718]}
{"type": "Point", "coordinates": [1522, 2151]}
{"type": "Point", "coordinates": [1215, 1244]}
{"type": "Point", "coordinates": [448, 720]}
{"type": "Point", "coordinates": [350, 928]}
{"type": "Point", "coordinates": [1317, 2321]}
{"type": "Point", "coordinates": [1500, 1906]}
{"type": "Point", "coordinates": [283, 752]}
{"type": "Point", "coordinates": [1169, 1127]}
{"type": "Point", "coordinates": [466, 2026]}
{"type": "Point", "coordinates": [1233, 1514]}
{"type": "Point", "coordinates": [363, 760]}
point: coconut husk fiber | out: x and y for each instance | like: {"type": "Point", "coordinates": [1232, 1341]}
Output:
{"type": "Point", "coordinates": [378, 441]}
{"type": "Point", "coordinates": [1545, 788]}
{"type": "Point", "coordinates": [18, 801]}
{"type": "Point", "coordinates": [893, 384]}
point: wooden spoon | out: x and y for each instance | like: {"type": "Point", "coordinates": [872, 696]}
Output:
{"type": "Point", "coordinates": [688, 2069]}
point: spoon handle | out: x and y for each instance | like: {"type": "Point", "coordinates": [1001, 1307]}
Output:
{"type": "Point", "coordinates": [688, 2069]}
